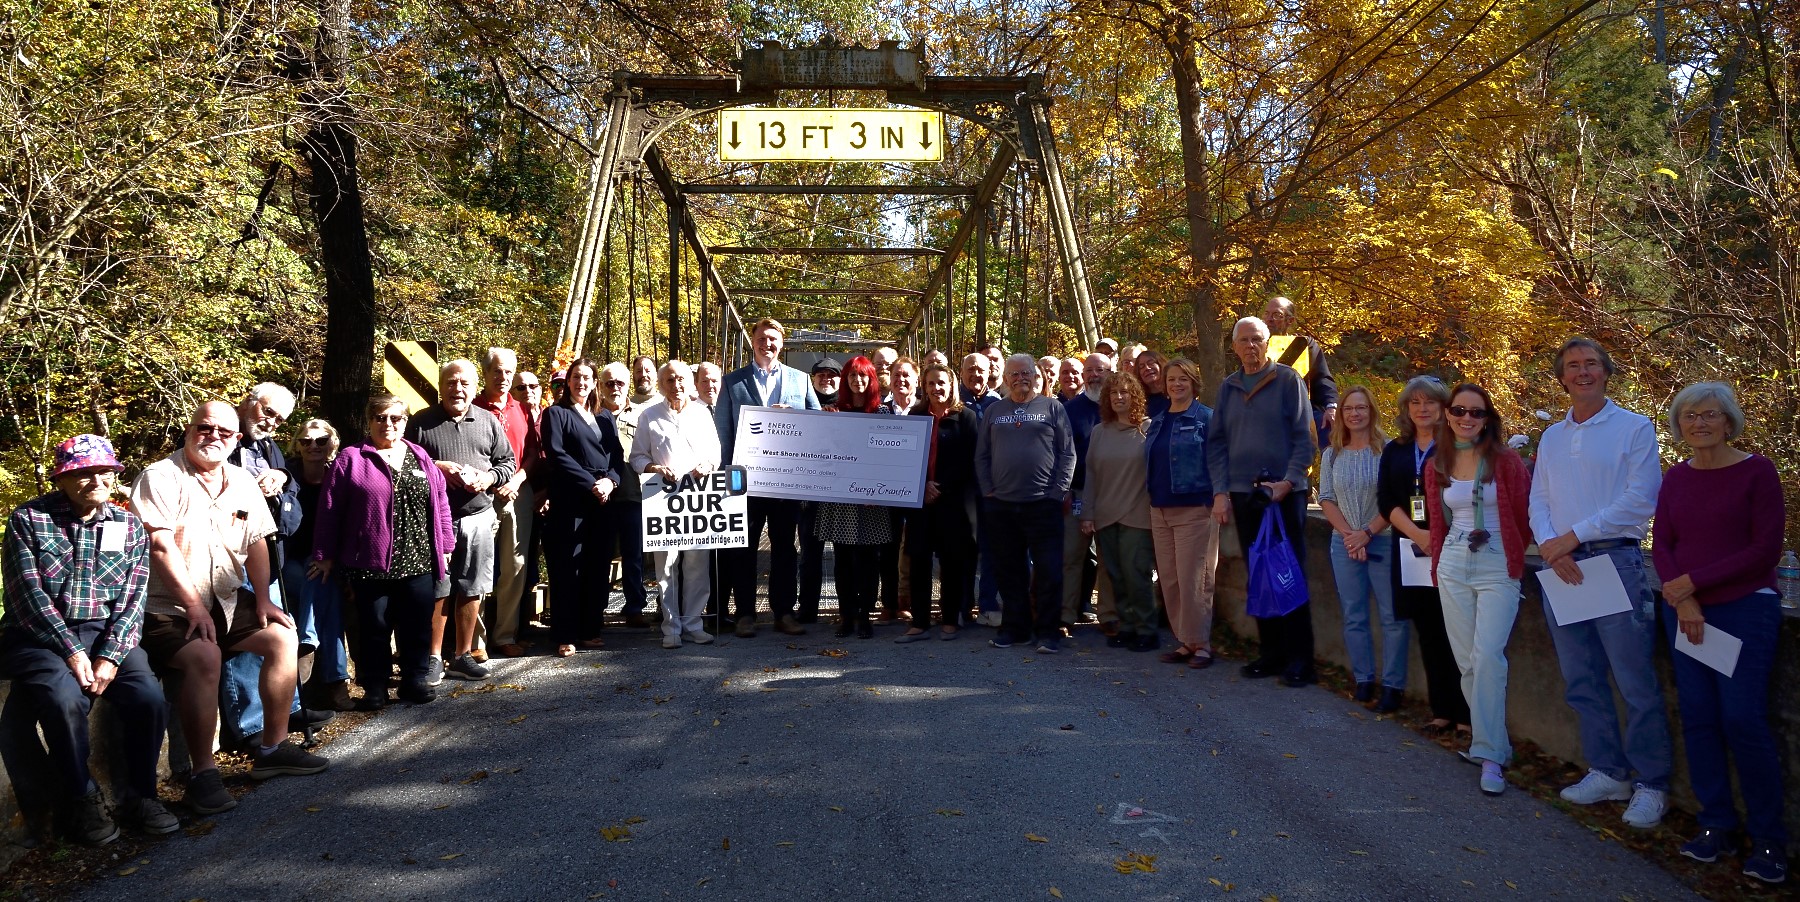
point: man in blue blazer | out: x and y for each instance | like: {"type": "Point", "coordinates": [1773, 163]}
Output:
{"type": "Point", "coordinates": [766, 382]}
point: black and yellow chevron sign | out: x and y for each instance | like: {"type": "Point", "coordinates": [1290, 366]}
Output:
{"type": "Point", "coordinates": [409, 371]}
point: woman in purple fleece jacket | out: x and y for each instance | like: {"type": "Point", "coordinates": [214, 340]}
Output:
{"type": "Point", "coordinates": [384, 519]}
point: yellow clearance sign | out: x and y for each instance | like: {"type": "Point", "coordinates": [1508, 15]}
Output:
{"type": "Point", "coordinates": [830, 135]}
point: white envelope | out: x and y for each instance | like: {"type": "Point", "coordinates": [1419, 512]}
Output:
{"type": "Point", "coordinates": [1717, 649]}
{"type": "Point", "coordinates": [1600, 594]}
{"type": "Point", "coordinates": [1414, 570]}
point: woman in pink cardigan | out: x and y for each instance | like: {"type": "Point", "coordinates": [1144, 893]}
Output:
{"type": "Point", "coordinates": [383, 521]}
{"type": "Point", "coordinates": [1478, 500]}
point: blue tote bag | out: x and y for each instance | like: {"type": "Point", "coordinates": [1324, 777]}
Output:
{"type": "Point", "coordinates": [1277, 584]}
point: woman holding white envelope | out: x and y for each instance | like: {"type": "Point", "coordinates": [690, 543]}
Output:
{"type": "Point", "coordinates": [1478, 499]}
{"type": "Point", "coordinates": [1719, 521]}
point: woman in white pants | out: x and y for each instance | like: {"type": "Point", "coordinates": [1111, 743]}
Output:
{"type": "Point", "coordinates": [675, 438]}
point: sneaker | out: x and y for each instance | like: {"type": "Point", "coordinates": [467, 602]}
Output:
{"type": "Point", "coordinates": [671, 642]}
{"type": "Point", "coordinates": [465, 667]}
{"type": "Point", "coordinates": [149, 816]}
{"type": "Point", "coordinates": [206, 793]}
{"type": "Point", "coordinates": [788, 626]}
{"type": "Point", "coordinates": [1597, 787]}
{"type": "Point", "coordinates": [434, 671]}
{"type": "Point", "coordinates": [1767, 863]}
{"type": "Point", "coordinates": [288, 759]}
{"type": "Point", "coordinates": [93, 825]}
{"type": "Point", "coordinates": [1708, 846]}
{"type": "Point", "coordinates": [698, 637]}
{"type": "Point", "coordinates": [1000, 640]}
{"type": "Point", "coordinates": [1493, 779]}
{"type": "Point", "coordinates": [1049, 646]}
{"type": "Point", "coordinates": [746, 627]}
{"type": "Point", "coordinates": [1646, 808]}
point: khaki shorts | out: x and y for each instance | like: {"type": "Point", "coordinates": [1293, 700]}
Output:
{"type": "Point", "coordinates": [165, 635]}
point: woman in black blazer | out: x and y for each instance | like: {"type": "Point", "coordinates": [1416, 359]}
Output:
{"type": "Point", "coordinates": [583, 461]}
{"type": "Point", "coordinates": [944, 526]}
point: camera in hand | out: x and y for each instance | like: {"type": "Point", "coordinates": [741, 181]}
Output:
{"type": "Point", "coordinates": [1261, 484]}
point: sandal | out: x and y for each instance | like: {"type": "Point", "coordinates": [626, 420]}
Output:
{"type": "Point", "coordinates": [1437, 727]}
{"type": "Point", "coordinates": [565, 651]}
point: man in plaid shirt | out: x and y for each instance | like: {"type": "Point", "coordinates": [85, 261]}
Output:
{"type": "Point", "coordinates": [75, 569]}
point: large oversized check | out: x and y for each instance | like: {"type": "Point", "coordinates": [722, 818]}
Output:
{"type": "Point", "coordinates": [815, 455]}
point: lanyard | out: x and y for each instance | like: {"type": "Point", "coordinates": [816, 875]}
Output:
{"type": "Point", "coordinates": [1419, 458]}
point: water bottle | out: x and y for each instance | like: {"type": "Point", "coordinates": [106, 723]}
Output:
{"type": "Point", "coordinates": [1787, 577]}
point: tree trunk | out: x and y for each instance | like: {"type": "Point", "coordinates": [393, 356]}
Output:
{"type": "Point", "coordinates": [1203, 239]}
{"type": "Point", "coordinates": [336, 199]}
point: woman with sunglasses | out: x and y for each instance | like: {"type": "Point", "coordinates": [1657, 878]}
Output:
{"type": "Point", "coordinates": [315, 602]}
{"type": "Point", "coordinates": [1149, 368]}
{"type": "Point", "coordinates": [1478, 499]}
{"type": "Point", "coordinates": [384, 516]}
{"type": "Point", "coordinates": [584, 462]}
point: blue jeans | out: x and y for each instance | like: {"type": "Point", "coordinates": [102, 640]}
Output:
{"type": "Point", "coordinates": [1026, 538]}
{"type": "Point", "coordinates": [1620, 644]}
{"type": "Point", "coordinates": [317, 607]}
{"type": "Point", "coordinates": [1357, 581]}
{"type": "Point", "coordinates": [240, 699]}
{"type": "Point", "coordinates": [1480, 604]}
{"type": "Point", "coordinates": [1720, 712]}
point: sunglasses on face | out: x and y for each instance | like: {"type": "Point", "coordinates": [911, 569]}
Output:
{"type": "Point", "coordinates": [526, 386]}
{"type": "Point", "coordinates": [613, 383]}
{"type": "Point", "coordinates": [388, 418]}
{"type": "Point", "coordinates": [1479, 413]}
{"type": "Point", "coordinates": [211, 429]}
{"type": "Point", "coordinates": [270, 413]}
{"type": "Point", "coordinates": [317, 441]}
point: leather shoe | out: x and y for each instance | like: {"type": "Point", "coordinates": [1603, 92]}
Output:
{"type": "Point", "coordinates": [1365, 691]}
{"type": "Point", "coordinates": [637, 621]}
{"type": "Point", "coordinates": [790, 627]}
{"type": "Point", "coordinates": [1295, 677]}
{"type": "Point", "coordinates": [512, 650]}
{"type": "Point", "coordinates": [1391, 700]}
{"type": "Point", "coordinates": [1258, 669]}
{"type": "Point", "coordinates": [746, 627]}
{"type": "Point", "coordinates": [1120, 639]}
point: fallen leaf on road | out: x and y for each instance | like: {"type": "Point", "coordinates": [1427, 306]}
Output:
{"type": "Point", "coordinates": [202, 828]}
{"type": "Point", "coordinates": [475, 777]}
{"type": "Point", "coordinates": [1055, 893]}
{"type": "Point", "coordinates": [1271, 898]}
{"type": "Point", "coordinates": [837, 808]}
{"type": "Point", "coordinates": [439, 807]}
{"type": "Point", "coordinates": [725, 844]}
{"type": "Point", "coordinates": [519, 719]}
{"type": "Point", "coordinates": [1134, 862]}
{"type": "Point", "coordinates": [636, 819]}
{"type": "Point", "coordinates": [1216, 882]}
{"type": "Point", "coordinates": [1234, 833]}
{"type": "Point", "coordinates": [784, 843]}
{"type": "Point", "coordinates": [127, 872]}
{"type": "Point", "coordinates": [1284, 835]}
{"type": "Point", "coordinates": [1358, 852]}
{"type": "Point", "coordinates": [715, 721]}
{"type": "Point", "coordinates": [834, 653]}
{"type": "Point", "coordinates": [1215, 753]}
{"type": "Point", "coordinates": [1289, 755]}
{"type": "Point", "coordinates": [450, 857]}
{"type": "Point", "coordinates": [616, 834]}
{"type": "Point", "coordinates": [1033, 837]}
{"type": "Point", "coordinates": [1475, 850]}
{"type": "Point", "coordinates": [313, 809]}
{"type": "Point", "coordinates": [1510, 884]}
{"type": "Point", "coordinates": [950, 812]}
{"type": "Point", "coordinates": [1103, 714]}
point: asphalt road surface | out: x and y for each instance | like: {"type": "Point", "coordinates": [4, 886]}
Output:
{"type": "Point", "coordinates": [822, 768]}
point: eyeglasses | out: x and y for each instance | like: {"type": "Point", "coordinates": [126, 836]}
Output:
{"type": "Point", "coordinates": [1479, 413]}
{"type": "Point", "coordinates": [212, 429]}
{"type": "Point", "coordinates": [525, 386]}
{"type": "Point", "coordinates": [613, 383]}
{"type": "Point", "coordinates": [388, 418]}
{"type": "Point", "coordinates": [317, 441]}
{"type": "Point", "coordinates": [270, 413]}
{"type": "Point", "coordinates": [1702, 416]}
{"type": "Point", "coordinates": [1354, 408]}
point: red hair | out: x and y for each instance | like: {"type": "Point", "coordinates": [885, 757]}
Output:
{"type": "Point", "coordinates": [847, 400]}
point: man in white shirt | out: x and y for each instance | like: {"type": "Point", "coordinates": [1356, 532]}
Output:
{"type": "Point", "coordinates": [1592, 492]}
{"type": "Point", "coordinates": [675, 438]}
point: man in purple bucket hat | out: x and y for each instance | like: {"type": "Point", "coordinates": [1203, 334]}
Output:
{"type": "Point", "coordinates": [75, 569]}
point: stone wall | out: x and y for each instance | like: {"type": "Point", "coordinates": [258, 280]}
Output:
{"type": "Point", "coordinates": [1534, 700]}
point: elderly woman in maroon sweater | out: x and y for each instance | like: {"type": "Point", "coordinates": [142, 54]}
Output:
{"type": "Point", "coordinates": [384, 524]}
{"type": "Point", "coordinates": [1719, 522]}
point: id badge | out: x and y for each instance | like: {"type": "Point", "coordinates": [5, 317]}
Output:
{"type": "Point", "coordinates": [112, 537]}
{"type": "Point", "coordinates": [1418, 508]}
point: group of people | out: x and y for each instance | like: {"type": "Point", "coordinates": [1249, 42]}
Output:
{"type": "Point", "coordinates": [1058, 492]}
